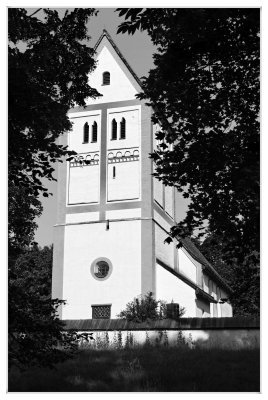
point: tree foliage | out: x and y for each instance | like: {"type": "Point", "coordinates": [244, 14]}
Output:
{"type": "Point", "coordinates": [23, 209]}
{"type": "Point", "coordinates": [48, 74]}
{"type": "Point", "coordinates": [36, 335]}
{"type": "Point", "coordinates": [243, 279]}
{"type": "Point", "coordinates": [204, 91]}
{"type": "Point", "coordinates": [48, 66]}
{"type": "Point", "coordinates": [145, 308]}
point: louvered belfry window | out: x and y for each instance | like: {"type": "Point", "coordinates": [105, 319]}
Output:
{"type": "Point", "coordinates": [86, 133]}
{"type": "Point", "coordinates": [123, 129]}
{"type": "Point", "coordinates": [101, 312]}
{"type": "Point", "coordinates": [94, 132]}
{"type": "Point", "coordinates": [106, 78]}
{"type": "Point", "coordinates": [114, 129]}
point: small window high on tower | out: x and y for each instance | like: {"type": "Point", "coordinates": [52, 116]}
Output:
{"type": "Point", "coordinates": [106, 78]}
{"type": "Point", "coordinates": [94, 131]}
{"type": "Point", "coordinates": [114, 130]}
{"type": "Point", "coordinates": [86, 133]}
{"type": "Point", "coordinates": [123, 129]}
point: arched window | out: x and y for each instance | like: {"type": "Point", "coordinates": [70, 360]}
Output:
{"type": "Point", "coordinates": [123, 129]}
{"type": "Point", "coordinates": [106, 78]}
{"type": "Point", "coordinates": [86, 133]}
{"type": "Point", "coordinates": [114, 129]}
{"type": "Point", "coordinates": [94, 132]}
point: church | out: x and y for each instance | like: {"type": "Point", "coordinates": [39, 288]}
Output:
{"type": "Point", "coordinates": [113, 216]}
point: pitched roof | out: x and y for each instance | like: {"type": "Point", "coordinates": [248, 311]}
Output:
{"type": "Point", "coordinates": [198, 256]}
{"type": "Point", "coordinates": [106, 34]}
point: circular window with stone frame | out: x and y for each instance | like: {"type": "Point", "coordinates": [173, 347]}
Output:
{"type": "Point", "coordinates": [101, 268]}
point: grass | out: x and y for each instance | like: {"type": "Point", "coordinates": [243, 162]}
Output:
{"type": "Point", "coordinates": [152, 369]}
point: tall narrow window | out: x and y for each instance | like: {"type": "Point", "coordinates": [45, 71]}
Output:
{"type": "Point", "coordinates": [86, 133]}
{"type": "Point", "coordinates": [123, 129]}
{"type": "Point", "coordinates": [113, 172]}
{"type": "Point", "coordinates": [94, 131]}
{"type": "Point", "coordinates": [106, 78]}
{"type": "Point", "coordinates": [114, 129]}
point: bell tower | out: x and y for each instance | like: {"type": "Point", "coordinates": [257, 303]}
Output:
{"type": "Point", "coordinates": [113, 217]}
{"type": "Point", "coordinates": [103, 245]}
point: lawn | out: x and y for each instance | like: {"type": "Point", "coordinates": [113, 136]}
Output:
{"type": "Point", "coordinates": [153, 369]}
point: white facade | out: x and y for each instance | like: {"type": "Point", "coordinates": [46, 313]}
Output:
{"type": "Point", "coordinates": [113, 216]}
{"type": "Point", "coordinates": [82, 246]}
{"type": "Point", "coordinates": [172, 289]}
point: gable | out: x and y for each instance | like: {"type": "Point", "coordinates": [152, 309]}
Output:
{"type": "Point", "coordinates": [123, 83]}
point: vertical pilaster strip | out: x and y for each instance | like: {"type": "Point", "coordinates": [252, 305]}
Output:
{"type": "Point", "coordinates": [153, 223]}
{"type": "Point", "coordinates": [147, 259]}
{"type": "Point", "coordinates": [146, 165]}
{"type": "Point", "coordinates": [174, 204]}
{"type": "Point", "coordinates": [103, 162]}
{"type": "Point", "coordinates": [199, 275]}
{"type": "Point", "coordinates": [176, 264]}
{"type": "Point", "coordinates": [62, 183]}
{"type": "Point", "coordinates": [58, 265]}
{"type": "Point", "coordinates": [164, 196]}
{"type": "Point", "coordinates": [147, 238]}
{"type": "Point", "coordinates": [59, 231]}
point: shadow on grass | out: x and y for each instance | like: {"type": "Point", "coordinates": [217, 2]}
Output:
{"type": "Point", "coordinates": [146, 369]}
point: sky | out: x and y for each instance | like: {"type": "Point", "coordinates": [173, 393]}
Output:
{"type": "Point", "coordinates": [138, 50]}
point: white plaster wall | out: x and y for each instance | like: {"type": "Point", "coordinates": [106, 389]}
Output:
{"type": "Point", "coordinates": [121, 244]}
{"type": "Point", "coordinates": [132, 117]}
{"type": "Point", "coordinates": [214, 295]}
{"type": "Point", "coordinates": [126, 184]}
{"type": "Point", "coordinates": [161, 221]}
{"type": "Point", "coordinates": [124, 213]}
{"type": "Point", "coordinates": [84, 184]}
{"type": "Point", "coordinates": [203, 309]}
{"type": "Point", "coordinates": [217, 310]}
{"type": "Point", "coordinates": [210, 287]}
{"type": "Point", "coordinates": [169, 287]}
{"type": "Point", "coordinates": [186, 266]}
{"type": "Point", "coordinates": [76, 136]}
{"type": "Point", "coordinates": [120, 88]}
{"type": "Point", "coordinates": [163, 251]}
{"type": "Point", "coordinates": [158, 186]}
{"type": "Point", "coordinates": [226, 308]}
{"type": "Point", "coordinates": [169, 201]}
{"type": "Point", "coordinates": [82, 217]}
{"type": "Point", "coordinates": [218, 304]}
{"type": "Point", "coordinates": [158, 191]}
{"type": "Point", "coordinates": [205, 283]}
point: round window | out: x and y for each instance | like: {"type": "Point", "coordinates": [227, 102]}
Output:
{"type": "Point", "coordinates": [101, 268]}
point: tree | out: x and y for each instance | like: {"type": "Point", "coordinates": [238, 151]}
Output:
{"type": "Point", "coordinates": [23, 209]}
{"type": "Point", "coordinates": [204, 91]}
{"type": "Point", "coordinates": [48, 69]}
{"type": "Point", "coordinates": [36, 335]}
{"type": "Point", "coordinates": [48, 74]}
{"type": "Point", "coordinates": [145, 308]}
{"type": "Point", "coordinates": [244, 280]}
{"type": "Point", "coordinates": [48, 64]}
